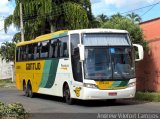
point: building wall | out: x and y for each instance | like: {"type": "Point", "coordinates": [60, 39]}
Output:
{"type": "Point", "coordinates": [151, 29]}
{"type": "Point", "coordinates": [148, 70]}
{"type": "Point", "coordinates": [5, 70]}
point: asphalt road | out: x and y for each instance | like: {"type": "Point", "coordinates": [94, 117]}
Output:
{"type": "Point", "coordinates": [51, 104]}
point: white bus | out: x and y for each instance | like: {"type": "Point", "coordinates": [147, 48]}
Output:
{"type": "Point", "coordinates": [87, 64]}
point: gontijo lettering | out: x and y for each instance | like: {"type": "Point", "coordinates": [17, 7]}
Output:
{"type": "Point", "coordinates": [33, 66]}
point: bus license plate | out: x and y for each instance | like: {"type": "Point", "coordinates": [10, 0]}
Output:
{"type": "Point", "coordinates": [112, 93]}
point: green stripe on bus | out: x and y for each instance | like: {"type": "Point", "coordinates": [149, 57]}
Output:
{"type": "Point", "coordinates": [52, 73]}
{"type": "Point", "coordinates": [115, 84]}
{"type": "Point", "coordinates": [124, 83]}
{"type": "Point", "coordinates": [56, 36]}
{"type": "Point", "coordinates": [49, 73]}
{"type": "Point", "coordinates": [63, 34]}
{"type": "Point", "coordinates": [60, 35]}
{"type": "Point", "coordinates": [45, 74]}
{"type": "Point", "coordinates": [119, 84]}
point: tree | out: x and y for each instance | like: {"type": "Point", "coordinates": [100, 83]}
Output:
{"type": "Point", "coordinates": [134, 17]}
{"type": "Point", "coordinates": [118, 15]}
{"type": "Point", "coordinates": [124, 23]}
{"type": "Point", "coordinates": [17, 37]}
{"type": "Point", "coordinates": [44, 16]}
{"type": "Point", "coordinates": [94, 23]}
{"type": "Point", "coordinates": [7, 51]}
{"type": "Point", "coordinates": [102, 18]}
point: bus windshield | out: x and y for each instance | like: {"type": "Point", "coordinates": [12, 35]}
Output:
{"type": "Point", "coordinates": [109, 63]}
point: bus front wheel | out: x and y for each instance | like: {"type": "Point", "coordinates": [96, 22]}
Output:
{"type": "Point", "coordinates": [67, 96]}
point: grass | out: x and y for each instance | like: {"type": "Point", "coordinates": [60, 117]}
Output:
{"type": "Point", "coordinates": [13, 111]}
{"type": "Point", "coordinates": [148, 96]}
{"type": "Point", "coordinates": [7, 83]}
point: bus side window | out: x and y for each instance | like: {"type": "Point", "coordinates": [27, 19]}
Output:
{"type": "Point", "coordinates": [64, 47]}
{"type": "Point", "coordinates": [65, 50]}
{"type": "Point", "coordinates": [23, 53]}
{"type": "Point", "coordinates": [18, 54]}
{"type": "Point", "coordinates": [30, 51]}
{"type": "Point", "coordinates": [75, 57]}
{"type": "Point", "coordinates": [38, 50]}
{"type": "Point", "coordinates": [74, 42]}
{"type": "Point", "coordinates": [44, 52]}
{"type": "Point", "coordinates": [57, 48]}
{"type": "Point", "coordinates": [52, 49]}
{"type": "Point", "coordinates": [35, 47]}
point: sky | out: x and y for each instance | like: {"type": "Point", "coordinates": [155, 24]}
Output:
{"type": "Point", "coordinates": [6, 8]}
{"type": "Point", "coordinates": [107, 7]}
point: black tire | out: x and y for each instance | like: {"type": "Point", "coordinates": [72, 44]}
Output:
{"type": "Point", "coordinates": [67, 96]}
{"type": "Point", "coordinates": [30, 92]}
{"type": "Point", "coordinates": [25, 89]}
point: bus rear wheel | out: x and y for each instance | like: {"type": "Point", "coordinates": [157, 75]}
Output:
{"type": "Point", "coordinates": [67, 96]}
{"type": "Point", "coordinates": [30, 92]}
{"type": "Point", "coordinates": [25, 90]}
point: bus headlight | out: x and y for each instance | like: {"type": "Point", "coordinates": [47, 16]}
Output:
{"type": "Point", "coordinates": [88, 85]}
{"type": "Point", "coordinates": [132, 84]}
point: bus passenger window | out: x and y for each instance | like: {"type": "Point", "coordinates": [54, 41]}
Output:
{"type": "Point", "coordinates": [65, 50]}
{"type": "Point", "coordinates": [44, 49]}
{"type": "Point", "coordinates": [18, 54]}
{"type": "Point", "coordinates": [36, 53]}
{"type": "Point", "coordinates": [23, 53]}
{"type": "Point", "coordinates": [30, 52]}
{"type": "Point", "coordinates": [57, 48]}
{"type": "Point", "coordinates": [64, 47]}
{"type": "Point", "coordinates": [52, 49]}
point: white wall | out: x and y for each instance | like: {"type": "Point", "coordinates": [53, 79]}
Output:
{"type": "Point", "coordinates": [5, 70]}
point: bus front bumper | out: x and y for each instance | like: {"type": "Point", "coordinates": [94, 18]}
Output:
{"type": "Point", "coordinates": [96, 94]}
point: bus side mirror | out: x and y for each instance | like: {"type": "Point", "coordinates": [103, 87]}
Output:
{"type": "Point", "coordinates": [81, 52]}
{"type": "Point", "coordinates": [139, 52]}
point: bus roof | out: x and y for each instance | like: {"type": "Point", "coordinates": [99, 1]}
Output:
{"type": "Point", "coordinates": [95, 30]}
{"type": "Point", "coordinates": [65, 32]}
{"type": "Point", "coordinates": [44, 37]}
